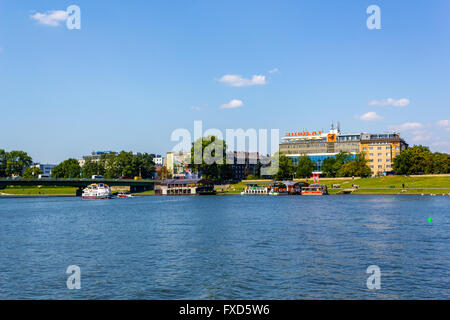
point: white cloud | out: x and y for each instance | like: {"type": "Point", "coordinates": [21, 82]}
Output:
{"type": "Point", "coordinates": [196, 108]}
{"type": "Point", "coordinates": [1, 50]}
{"type": "Point", "coordinates": [370, 116]}
{"type": "Point", "coordinates": [274, 70]}
{"type": "Point", "coordinates": [50, 18]}
{"type": "Point", "coordinates": [444, 124]}
{"type": "Point", "coordinates": [235, 103]}
{"type": "Point", "coordinates": [235, 80]}
{"type": "Point", "coordinates": [390, 102]}
{"type": "Point", "coordinates": [408, 126]}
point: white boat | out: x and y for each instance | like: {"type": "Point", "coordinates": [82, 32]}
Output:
{"type": "Point", "coordinates": [97, 191]}
{"type": "Point", "coordinates": [256, 189]}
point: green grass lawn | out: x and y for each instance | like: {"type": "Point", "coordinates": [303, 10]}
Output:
{"type": "Point", "coordinates": [382, 185]}
{"type": "Point", "coordinates": [144, 193]}
{"type": "Point", "coordinates": [44, 190]}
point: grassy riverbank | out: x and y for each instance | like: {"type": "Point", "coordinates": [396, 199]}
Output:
{"type": "Point", "coordinates": [382, 185]}
{"type": "Point", "coordinates": [36, 191]}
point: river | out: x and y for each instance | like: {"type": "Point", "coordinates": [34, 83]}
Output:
{"type": "Point", "coordinates": [226, 247]}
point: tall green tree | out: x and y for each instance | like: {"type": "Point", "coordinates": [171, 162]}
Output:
{"type": "Point", "coordinates": [305, 167]}
{"type": "Point", "coordinates": [208, 157]}
{"type": "Point", "coordinates": [91, 168]}
{"type": "Point", "coordinates": [17, 162]}
{"type": "Point", "coordinates": [356, 167]}
{"type": "Point", "coordinates": [285, 167]}
{"type": "Point", "coordinates": [3, 162]}
{"type": "Point", "coordinates": [69, 169]}
{"type": "Point", "coordinates": [414, 160]}
{"type": "Point", "coordinates": [331, 166]}
{"type": "Point", "coordinates": [32, 173]}
{"type": "Point", "coordinates": [143, 165]}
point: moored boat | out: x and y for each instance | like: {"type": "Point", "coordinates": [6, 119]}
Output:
{"type": "Point", "coordinates": [315, 190]}
{"type": "Point", "coordinates": [124, 194]}
{"type": "Point", "coordinates": [97, 191]}
{"type": "Point", "coordinates": [257, 189]}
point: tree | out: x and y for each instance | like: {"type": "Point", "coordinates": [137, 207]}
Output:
{"type": "Point", "coordinates": [414, 160]}
{"type": "Point", "coordinates": [356, 167]}
{"type": "Point", "coordinates": [208, 157]}
{"type": "Point", "coordinates": [91, 168]}
{"type": "Point", "coordinates": [67, 169]}
{"type": "Point", "coordinates": [305, 167]}
{"type": "Point", "coordinates": [32, 173]}
{"type": "Point", "coordinates": [285, 167]}
{"type": "Point", "coordinates": [3, 161]}
{"type": "Point", "coordinates": [328, 167]}
{"type": "Point", "coordinates": [143, 165]}
{"type": "Point", "coordinates": [17, 162]}
{"type": "Point", "coordinates": [441, 163]}
{"type": "Point", "coordinates": [163, 173]}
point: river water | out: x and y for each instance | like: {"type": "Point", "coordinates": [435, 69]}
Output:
{"type": "Point", "coordinates": [226, 247]}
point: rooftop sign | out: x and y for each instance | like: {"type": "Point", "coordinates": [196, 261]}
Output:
{"type": "Point", "coordinates": [303, 134]}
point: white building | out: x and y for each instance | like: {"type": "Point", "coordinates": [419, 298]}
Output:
{"type": "Point", "coordinates": [45, 168]}
{"type": "Point", "coordinates": [158, 160]}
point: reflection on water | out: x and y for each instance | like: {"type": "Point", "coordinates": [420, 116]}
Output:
{"type": "Point", "coordinates": [226, 247]}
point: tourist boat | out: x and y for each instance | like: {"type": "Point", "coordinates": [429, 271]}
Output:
{"type": "Point", "coordinates": [97, 191]}
{"type": "Point", "coordinates": [279, 189]}
{"type": "Point", "coordinates": [185, 187]}
{"type": "Point", "coordinates": [124, 194]}
{"type": "Point", "coordinates": [257, 189]}
{"type": "Point", "coordinates": [315, 190]}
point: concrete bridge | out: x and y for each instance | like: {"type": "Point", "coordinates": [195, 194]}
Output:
{"type": "Point", "coordinates": [135, 185]}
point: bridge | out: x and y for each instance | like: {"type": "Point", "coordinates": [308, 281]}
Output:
{"type": "Point", "coordinates": [135, 185]}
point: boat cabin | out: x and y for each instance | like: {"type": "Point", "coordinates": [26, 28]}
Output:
{"type": "Point", "coordinates": [315, 190]}
{"type": "Point", "coordinates": [257, 188]}
{"type": "Point", "coordinates": [185, 187]}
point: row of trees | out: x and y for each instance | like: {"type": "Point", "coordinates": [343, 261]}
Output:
{"type": "Point", "coordinates": [419, 159]}
{"type": "Point", "coordinates": [343, 165]}
{"type": "Point", "coordinates": [346, 165]}
{"type": "Point", "coordinates": [111, 166]}
{"type": "Point", "coordinates": [13, 163]}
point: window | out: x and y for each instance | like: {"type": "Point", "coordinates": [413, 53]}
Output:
{"type": "Point", "coordinates": [380, 160]}
{"type": "Point", "coordinates": [371, 167]}
{"type": "Point", "coordinates": [380, 154]}
{"type": "Point", "coordinates": [379, 148]}
{"type": "Point", "coordinates": [388, 160]}
{"type": "Point", "coordinates": [370, 148]}
{"type": "Point", "coordinates": [364, 148]}
{"type": "Point", "coordinates": [397, 148]}
{"type": "Point", "coordinates": [388, 154]}
{"type": "Point", "coordinates": [380, 167]}
{"type": "Point", "coordinates": [371, 154]}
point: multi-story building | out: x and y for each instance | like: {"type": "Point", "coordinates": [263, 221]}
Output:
{"type": "Point", "coordinates": [244, 163]}
{"type": "Point", "coordinates": [381, 149]}
{"type": "Point", "coordinates": [158, 160]}
{"type": "Point", "coordinates": [319, 145]}
{"type": "Point", "coordinates": [45, 168]}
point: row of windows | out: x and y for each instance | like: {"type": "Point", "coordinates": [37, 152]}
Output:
{"type": "Point", "coordinates": [388, 166]}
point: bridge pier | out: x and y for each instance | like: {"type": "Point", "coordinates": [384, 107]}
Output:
{"type": "Point", "coordinates": [135, 189]}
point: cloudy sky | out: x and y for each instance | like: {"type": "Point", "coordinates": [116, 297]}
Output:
{"type": "Point", "coordinates": [138, 70]}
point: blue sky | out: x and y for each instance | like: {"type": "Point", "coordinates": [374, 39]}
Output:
{"type": "Point", "coordinates": [138, 70]}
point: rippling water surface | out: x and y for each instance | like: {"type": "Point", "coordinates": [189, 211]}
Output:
{"type": "Point", "coordinates": [226, 247]}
